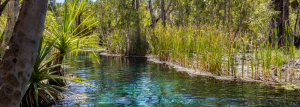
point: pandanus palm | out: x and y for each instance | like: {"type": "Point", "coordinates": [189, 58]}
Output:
{"type": "Point", "coordinates": [38, 89]}
{"type": "Point", "coordinates": [68, 38]}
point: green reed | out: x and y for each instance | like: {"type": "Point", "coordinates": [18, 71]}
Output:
{"type": "Point", "coordinates": [210, 49]}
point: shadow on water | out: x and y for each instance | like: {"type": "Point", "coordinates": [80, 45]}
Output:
{"type": "Point", "coordinates": [128, 81]}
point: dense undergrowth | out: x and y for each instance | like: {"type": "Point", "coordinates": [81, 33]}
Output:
{"type": "Point", "coordinates": [223, 53]}
{"type": "Point", "coordinates": [214, 50]}
{"type": "Point", "coordinates": [217, 36]}
{"type": "Point", "coordinates": [62, 36]}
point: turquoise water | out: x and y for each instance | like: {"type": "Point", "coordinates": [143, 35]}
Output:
{"type": "Point", "coordinates": [123, 81]}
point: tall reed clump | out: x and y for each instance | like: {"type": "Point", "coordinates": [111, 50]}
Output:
{"type": "Point", "coordinates": [191, 47]}
{"type": "Point", "coordinates": [211, 49]}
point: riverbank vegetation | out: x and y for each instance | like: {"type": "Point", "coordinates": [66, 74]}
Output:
{"type": "Point", "coordinates": [63, 34]}
{"type": "Point", "coordinates": [250, 39]}
{"type": "Point", "coordinates": [253, 40]}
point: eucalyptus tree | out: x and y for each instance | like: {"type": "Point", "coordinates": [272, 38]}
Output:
{"type": "Point", "coordinates": [19, 59]}
{"type": "Point", "coordinates": [164, 12]}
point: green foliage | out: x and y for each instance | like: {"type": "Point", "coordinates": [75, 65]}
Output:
{"type": "Point", "coordinates": [38, 89]}
{"type": "Point", "coordinates": [201, 34]}
{"type": "Point", "coordinates": [207, 48]}
{"type": "Point", "coordinates": [67, 38]}
{"type": "Point", "coordinates": [187, 44]}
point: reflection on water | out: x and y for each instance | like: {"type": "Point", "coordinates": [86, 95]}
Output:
{"type": "Point", "coordinates": [123, 81]}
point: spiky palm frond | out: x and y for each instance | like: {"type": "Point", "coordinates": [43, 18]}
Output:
{"type": "Point", "coordinates": [38, 89]}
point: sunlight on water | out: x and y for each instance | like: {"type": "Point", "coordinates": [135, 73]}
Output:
{"type": "Point", "coordinates": [122, 81]}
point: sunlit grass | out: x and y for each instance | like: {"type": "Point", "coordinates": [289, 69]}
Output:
{"type": "Point", "coordinates": [210, 49]}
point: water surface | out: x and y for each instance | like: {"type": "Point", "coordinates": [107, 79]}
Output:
{"type": "Point", "coordinates": [124, 81]}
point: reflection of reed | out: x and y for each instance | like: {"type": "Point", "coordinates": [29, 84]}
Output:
{"type": "Point", "coordinates": [138, 82]}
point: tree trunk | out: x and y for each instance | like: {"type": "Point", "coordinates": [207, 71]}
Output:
{"type": "Point", "coordinates": [12, 15]}
{"type": "Point", "coordinates": [228, 25]}
{"type": "Point", "coordinates": [138, 30]}
{"type": "Point", "coordinates": [169, 12]}
{"type": "Point", "coordinates": [240, 21]}
{"type": "Point", "coordinates": [278, 24]}
{"type": "Point", "coordinates": [163, 13]}
{"type": "Point", "coordinates": [137, 6]}
{"type": "Point", "coordinates": [285, 16]}
{"type": "Point", "coordinates": [19, 59]}
{"type": "Point", "coordinates": [153, 22]}
{"type": "Point", "coordinates": [78, 22]}
{"type": "Point", "coordinates": [298, 12]}
{"type": "Point", "coordinates": [2, 6]}
{"type": "Point", "coordinates": [224, 14]}
{"type": "Point", "coordinates": [295, 26]}
{"type": "Point", "coordinates": [180, 13]}
{"type": "Point", "coordinates": [160, 16]}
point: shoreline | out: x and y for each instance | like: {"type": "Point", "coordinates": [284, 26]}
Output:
{"type": "Point", "coordinates": [199, 72]}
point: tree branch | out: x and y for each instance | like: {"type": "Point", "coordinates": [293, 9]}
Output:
{"type": "Point", "coordinates": [2, 6]}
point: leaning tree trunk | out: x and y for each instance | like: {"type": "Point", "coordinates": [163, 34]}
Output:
{"type": "Point", "coordinates": [20, 57]}
{"type": "Point", "coordinates": [12, 15]}
{"type": "Point", "coordinates": [153, 22]}
{"type": "Point", "coordinates": [2, 6]}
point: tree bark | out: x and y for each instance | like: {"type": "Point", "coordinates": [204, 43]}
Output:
{"type": "Point", "coordinates": [153, 22]}
{"type": "Point", "coordinates": [278, 24]}
{"type": "Point", "coordinates": [2, 6]}
{"type": "Point", "coordinates": [228, 25]}
{"type": "Point", "coordinates": [295, 26]}
{"type": "Point", "coordinates": [12, 15]}
{"type": "Point", "coordinates": [180, 14]}
{"type": "Point", "coordinates": [285, 16]}
{"type": "Point", "coordinates": [138, 32]}
{"type": "Point", "coordinates": [160, 16]}
{"type": "Point", "coordinates": [169, 12]}
{"type": "Point", "coordinates": [19, 59]}
{"type": "Point", "coordinates": [240, 20]}
{"type": "Point", "coordinates": [163, 13]}
{"type": "Point", "coordinates": [78, 22]}
{"type": "Point", "coordinates": [225, 3]}
{"type": "Point", "coordinates": [137, 6]}
{"type": "Point", "coordinates": [298, 11]}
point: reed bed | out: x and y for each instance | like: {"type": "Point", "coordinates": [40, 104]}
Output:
{"type": "Point", "coordinates": [213, 50]}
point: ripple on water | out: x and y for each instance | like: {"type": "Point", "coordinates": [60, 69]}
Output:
{"type": "Point", "coordinates": [124, 81]}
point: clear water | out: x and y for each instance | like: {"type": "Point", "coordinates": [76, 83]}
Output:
{"type": "Point", "coordinates": [123, 81]}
